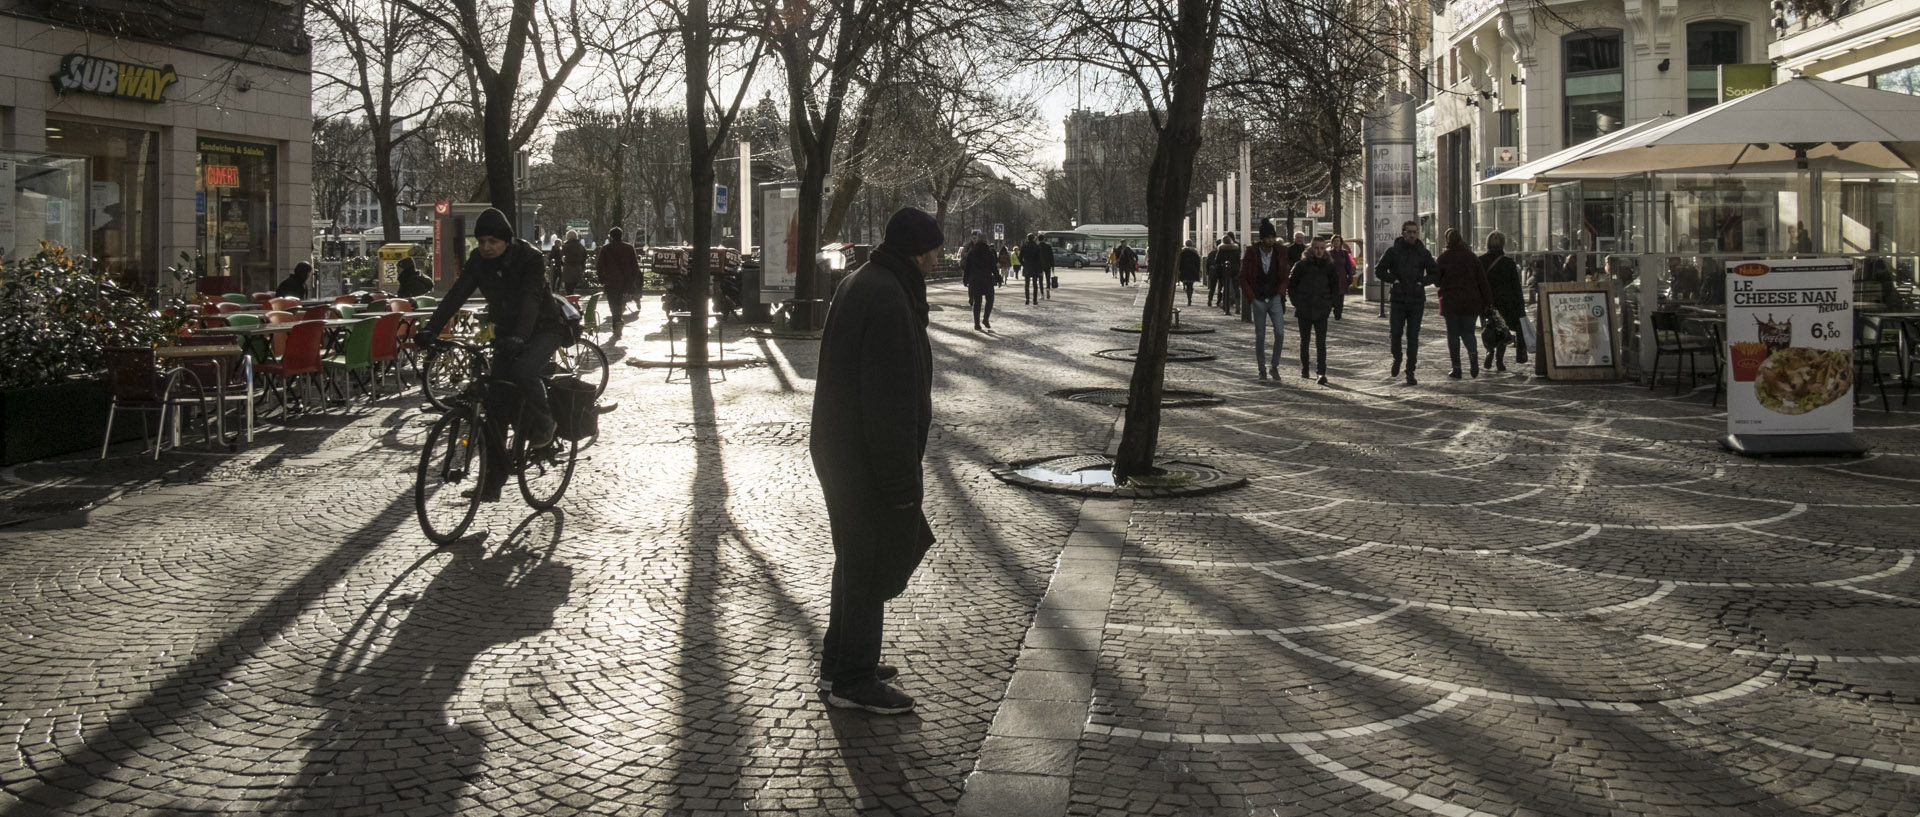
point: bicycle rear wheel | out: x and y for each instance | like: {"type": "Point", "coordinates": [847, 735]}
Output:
{"type": "Point", "coordinates": [544, 474]}
{"type": "Point", "coordinates": [451, 462]}
{"type": "Point", "coordinates": [590, 365]}
{"type": "Point", "coordinates": [443, 373]}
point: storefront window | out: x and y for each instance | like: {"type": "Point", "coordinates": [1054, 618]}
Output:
{"type": "Point", "coordinates": [1594, 89]}
{"type": "Point", "coordinates": [235, 212]}
{"type": "Point", "coordinates": [42, 198]}
{"type": "Point", "coordinates": [123, 212]}
{"type": "Point", "coordinates": [1904, 80]}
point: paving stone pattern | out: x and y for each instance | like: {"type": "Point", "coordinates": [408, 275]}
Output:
{"type": "Point", "coordinates": [1493, 596]}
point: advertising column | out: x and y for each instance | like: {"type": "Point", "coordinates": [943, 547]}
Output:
{"type": "Point", "coordinates": [1789, 352]}
{"type": "Point", "coordinates": [1389, 152]}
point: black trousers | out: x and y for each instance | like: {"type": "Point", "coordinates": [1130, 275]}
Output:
{"type": "Point", "coordinates": [1403, 319]}
{"type": "Point", "coordinates": [1037, 286]}
{"type": "Point", "coordinates": [524, 404]}
{"type": "Point", "coordinates": [979, 296]}
{"type": "Point", "coordinates": [1317, 330]}
{"type": "Point", "coordinates": [856, 620]}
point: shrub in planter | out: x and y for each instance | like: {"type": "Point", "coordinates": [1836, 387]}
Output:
{"type": "Point", "coordinates": [57, 316]}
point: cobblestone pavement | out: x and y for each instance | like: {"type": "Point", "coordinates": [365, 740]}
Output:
{"type": "Point", "coordinates": [1491, 596]}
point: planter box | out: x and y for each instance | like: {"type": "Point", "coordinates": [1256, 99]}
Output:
{"type": "Point", "coordinates": [47, 421]}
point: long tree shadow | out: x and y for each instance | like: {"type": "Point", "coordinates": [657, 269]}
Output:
{"type": "Point", "coordinates": [61, 786]}
{"type": "Point", "coordinates": [388, 736]}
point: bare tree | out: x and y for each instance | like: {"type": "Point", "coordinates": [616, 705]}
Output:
{"type": "Point", "coordinates": [1163, 50]}
{"type": "Point", "coordinates": [373, 61]}
{"type": "Point", "coordinates": [494, 38]}
{"type": "Point", "coordinates": [339, 148]}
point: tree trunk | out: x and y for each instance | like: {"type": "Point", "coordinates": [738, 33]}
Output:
{"type": "Point", "coordinates": [1169, 179]}
{"type": "Point", "coordinates": [496, 128]}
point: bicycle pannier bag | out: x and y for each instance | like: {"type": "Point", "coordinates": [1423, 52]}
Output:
{"type": "Point", "coordinates": [574, 414]}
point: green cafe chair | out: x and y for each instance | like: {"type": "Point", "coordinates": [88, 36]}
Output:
{"type": "Point", "coordinates": [236, 298]}
{"type": "Point", "coordinates": [356, 355]}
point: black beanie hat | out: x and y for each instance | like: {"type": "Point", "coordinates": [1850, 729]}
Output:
{"type": "Point", "coordinates": [1266, 228]}
{"type": "Point", "coordinates": [493, 223]}
{"type": "Point", "coordinates": [912, 231]}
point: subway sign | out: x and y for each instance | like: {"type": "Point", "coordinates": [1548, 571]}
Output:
{"type": "Point", "coordinates": [120, 80]}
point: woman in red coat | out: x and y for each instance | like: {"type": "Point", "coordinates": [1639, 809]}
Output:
{"type": "Point", "coordinates": [1464, 294]}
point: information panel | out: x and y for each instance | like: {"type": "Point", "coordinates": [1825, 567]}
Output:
{"type": "Point", "coordinates": [1790, 346]}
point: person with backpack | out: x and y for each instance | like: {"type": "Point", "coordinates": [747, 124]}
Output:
{"type": "Point", "coordinates": [1263, 282]}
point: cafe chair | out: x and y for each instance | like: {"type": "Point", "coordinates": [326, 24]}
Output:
{"type": "Point", "coordinates": [345, 299]}
{"type": "Point", "coordinates": [425, 302]}
{"type": "Point", "coordinates": [346, 310]}
{"type": "Point", "coordinates": [137, 384]}
{"type": "Point", "coordinates": [299, 360]}
{"type": "Point", "coordinates": [1872, 341]}
{"type": "Point", "coordinates": [287, 304]}
{"type": "Point", "coordinates": [243, 320]}
{"type": "Point", "coordinates": [215, 382]}
{"type": "Point", "coordinates": [590, 315]}
{"type": "Point", "coordinates": [262, 298]}
{"type": "Point", "coordinates": [399, 305]}
{"type": "Point", "coordinates": [229, 307]}
{"type": "Point", "coordinates": [385, 352]}
{"type": "Point", "coordinates": [236, 298]}
{"type": "Point", "coordinates": [317, 312]}
{"type": "Point", "coordinates": [1670, 340]}
{"type": "Point", "coordinates": [356, 355]}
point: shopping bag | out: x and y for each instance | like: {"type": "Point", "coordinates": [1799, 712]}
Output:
{"type": "Point", "coordinates": [1526, 330]}
{"type": "Point", "coordinates": [1053, 282]}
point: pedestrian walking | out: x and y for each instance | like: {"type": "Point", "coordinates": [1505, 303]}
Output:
{"type": "Point", "coordinates": [1409, 268]}
{"type": "Point", "coordinates": [1342, 257]}
{"type": "Point", "coordinates": [1223, 273]}
{"type": "Point", "coordinates": [1464, 294]}
{"type": "Point", "coordinates": [1040, 270]}
{"type": "Point", "coordinates": [1189, 269]}
{"type": "Point", "coordinates": [1297, 250]}
{"type": "Point", "coordinates": [1113, 261]}
{"type": "Point", "coordinates": [1509, 299]}
{"type": "Point", "coordinates": [619, 267]}
{"type": "Point", "coordinates": [1013, 258]}
{"type": "Point", "coordinates": [872, 408]}
{"type": "Point", "coordinates": [1128, 261]}
{"type": "Point", "coordinates": [1029, 258]}
{"type": "Point", "coordinates": [573, 262]}
{"type": "Point", "coordinates": [1263, 282]}
{"type": "Point", "coordinates": [977, 271]}
{"type": "Point", "coordinates": [1005, 262]}
{"type": "Point", "coordinates": [1314, 287]}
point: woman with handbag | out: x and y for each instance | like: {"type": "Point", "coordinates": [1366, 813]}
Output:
{"type": "Point", "coordinates": [1509, 299]}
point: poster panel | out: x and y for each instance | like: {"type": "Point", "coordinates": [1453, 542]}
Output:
{"type": "Point", "coordinates": [778, 257]}
{"type": "Point", "coordinates": [1789, 348]}
{"type": "Point", "coordinates": [1582, 335]}
{"type": "Point", "coordinates": [1390, 185]}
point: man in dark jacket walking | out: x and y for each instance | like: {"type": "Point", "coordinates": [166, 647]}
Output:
{"type": "Point", "coordinates": [872, 408]}
{"type": "Point", "coordinates": [1189, 269]}
{"type": "Point", "coordinates": [1263, 283]}
{"type": "Point", "coordinates": [1223, 272]}
{"type": "Point", "coordinates": [528, 328]}
{"type": "Point", "coordinates": [1409, 268]}
{"type": "Point", "coordinates": [619, 268]}
{"type": "Point", "coordinates": [1313, 286]}
{"type": "Point", "coordinates": [1509, 299]}
{"type": "Point", "coordinates": [1128, 261]}
{"type": "Point", "coordinates": [978, 268]}
{"type": "Point", "coordinates": [1037, 255]}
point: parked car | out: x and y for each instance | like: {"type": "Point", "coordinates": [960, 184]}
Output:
{"type": "Point", "coordinates": [1068, 258]}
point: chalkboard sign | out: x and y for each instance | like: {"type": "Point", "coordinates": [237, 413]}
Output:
{"type": "Point", "coordinates": [1580, 331]}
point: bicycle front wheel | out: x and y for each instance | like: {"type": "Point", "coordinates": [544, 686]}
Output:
{"type": "Point", "coordinates": [443, 374]}
{"type": "Point", "coordinates": [590, 365]}
{"type": "Point", "coordinates": [451, 463]}
{"type": "Point", "coordinates": [545, 473]}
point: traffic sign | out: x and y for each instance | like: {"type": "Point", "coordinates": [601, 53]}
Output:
{"type": "Point", "coordinates": [999, 232]}
{"type": "Point", "coordinates": [720, 199]}
{"type": "Point", "coordinates": [1317, 208]}
{"type": "Point", "coordinates": [441, 208]}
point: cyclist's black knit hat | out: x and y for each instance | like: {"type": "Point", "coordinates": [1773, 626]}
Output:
{"type": "Point", "coordinates": [912, 231]}
{"type": "Point", "coordinates": [493, 223]}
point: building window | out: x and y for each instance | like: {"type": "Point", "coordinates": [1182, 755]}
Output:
{"type": "Point", "coordinates": [1709, 46]}
{"type": "Point", "coordinates": [1594, 88]}
{"type": "Point", "coordinates": [236, 229]}
{"type": "Point", "coordinates": [1904, 80]}
{"type": "Point", "coordinates": [124, 202]}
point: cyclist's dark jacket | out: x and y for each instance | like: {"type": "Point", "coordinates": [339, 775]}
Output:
{"type": "Point", "coordinates": [519, 303]}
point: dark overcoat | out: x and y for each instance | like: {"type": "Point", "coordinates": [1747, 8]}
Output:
{"type": "Point", "coordinates": [1312, 287]}
{"type": "Point", "coordinates": [1462, 283]}
{"type": "Point", "coordinates": [872, 408]}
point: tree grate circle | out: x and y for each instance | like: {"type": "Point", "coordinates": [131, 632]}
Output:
{"type": "Point", "coordinates": [1179, 355]}
{"type": "Point", "coordinates": [1171, 330]}
{"type": "Point", "coordinates": [1119, 398]}
{"type": "Point", "coordinates": [1091, 475]}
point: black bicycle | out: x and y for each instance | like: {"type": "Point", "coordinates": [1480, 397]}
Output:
{"type": "Point", "coordinates": [447, 489]}
{"type": "Point", "coordinates": [446, 371]}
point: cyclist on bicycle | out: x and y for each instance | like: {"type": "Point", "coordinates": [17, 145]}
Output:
{"type": "Point", "coordinates": [528, 328]}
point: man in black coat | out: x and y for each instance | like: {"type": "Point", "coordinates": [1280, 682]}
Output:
{"type": "Point", "coordinates": [1036, 279]}
{"type": "Point", "coordinates": [872, 408]}
{"type": "Point", "coordinates": [528, 327]}
{"type": "Point", "coordinates": [978, 270]}
{"type": "Point", "coordinates": [1410, 268]}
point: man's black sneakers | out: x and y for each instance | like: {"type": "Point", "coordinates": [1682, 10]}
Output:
{"type": "Point", "coordinates": [871, 695]}
{"type": "Point", "coordinates": [881, 672]}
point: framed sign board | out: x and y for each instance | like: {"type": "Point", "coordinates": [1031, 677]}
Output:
{"type": "Point", "coordinates": [1580, 331]}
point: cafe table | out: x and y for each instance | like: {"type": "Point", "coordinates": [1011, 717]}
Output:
{"type": "Point", "coordinates": [225, 356]}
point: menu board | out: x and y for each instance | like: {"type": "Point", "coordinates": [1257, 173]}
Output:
{"type": "Point", "coordinates": [1790, 346]}
{"type": "Point", "coordinates": [1579, 331]}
